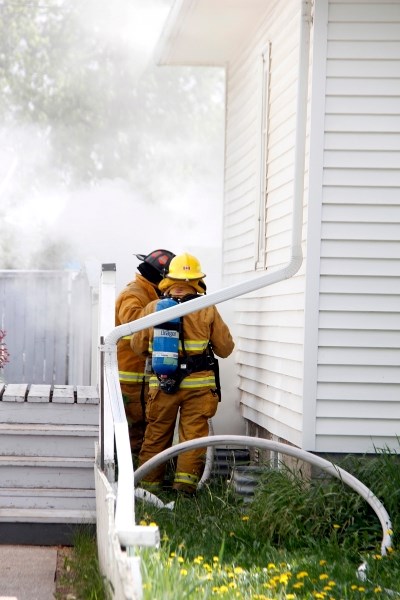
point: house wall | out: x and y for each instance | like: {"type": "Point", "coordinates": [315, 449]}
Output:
{"type": "Point", "coordinates": [269, 323]}
{"type": "Point", "coordinates": [353, 368]}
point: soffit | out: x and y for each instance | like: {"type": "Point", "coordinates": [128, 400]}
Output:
{"type": "Point", "coordinates": [206, 32]}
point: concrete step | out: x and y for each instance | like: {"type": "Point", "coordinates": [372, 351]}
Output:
{"type": "Point", "coordinates": [48, 440]}
{"type": "Point", "coordinates": [51, 498]}
{"type": "Point", "coordinates": [46, 472]}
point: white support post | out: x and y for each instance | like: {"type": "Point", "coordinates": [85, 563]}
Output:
{"type": "Point", "coordinates": [107, 293]}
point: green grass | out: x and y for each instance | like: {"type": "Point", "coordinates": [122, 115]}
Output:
{"type": "Point", "coordinates": [297, 540]}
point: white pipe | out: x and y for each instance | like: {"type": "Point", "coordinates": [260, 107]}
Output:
{"type": "Point", "coordinates": [317, 461]}
{"type": "Point", "coordinates": [209, 458]}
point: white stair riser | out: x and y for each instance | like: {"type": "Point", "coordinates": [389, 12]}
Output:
{"type": "Point", "coordinates": [48, 499]}
{"type": "Point", "coordinates": [47, 445]}
{"type": "Point", "coordinates": [46, 477]}
{"type": "Point", "coordinates": [33, 412]}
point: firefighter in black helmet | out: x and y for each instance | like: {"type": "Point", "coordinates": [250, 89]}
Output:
{"type": "Point", "coordinates": [128, 307]}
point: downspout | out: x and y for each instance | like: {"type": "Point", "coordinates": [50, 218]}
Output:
{"type": "Point", "coordinates": [125, 498]}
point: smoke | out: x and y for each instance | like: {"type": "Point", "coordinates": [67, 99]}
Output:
{"type": "Point", "coordinates": [45, 219]}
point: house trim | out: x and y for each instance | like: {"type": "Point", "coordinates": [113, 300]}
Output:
{"type": "Point", "coordinates": [316, 138]}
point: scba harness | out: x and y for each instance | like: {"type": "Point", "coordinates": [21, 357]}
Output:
{"type": "Point", "coordinates": [170, 366]}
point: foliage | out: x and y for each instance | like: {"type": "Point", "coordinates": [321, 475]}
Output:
{"type": "Point", "coordinates": [81, 577]}
{"type": "Point", "coordinates": [94, 115]}
{"type": "Point", "coordinates": [297, 539]}
{"type": "Point", "coordinates": [4, 354]}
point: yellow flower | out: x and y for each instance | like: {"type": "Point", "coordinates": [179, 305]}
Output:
{"type": "Point", "coordinates": [271, 566]}
{"type": "Point", "coordinates": [152, 524]}
{"type": "Point", "coordinates": [290, 596]}
{"type": "Point", "coordinates": [389, 532]}
{"type": "Point", "coordinates": [172, 554]}
{"type": "Point", "coordinates": [323, 576]}
{"type": "Point", "coordinates": [238, 570]}
{"type": "Point", "coordinates": [322, 562]}
{"type": "Point", "coordinates": [215, 559]}
{"type": "Point", "coordinates": [198, 560]}
{"type": "Point", "coordinates": [143, 523]}
{"type": "Point", "coordinates": [378, 589]}
{"type": "Point", "coordinates": [298, 585]}
{"type": "Point", "coordinates": [390, 549]}
{"type": "Point", "coordinates": [184, 572]}
{"type": "Point", "coordinates": [180, 559]}
{"type": "Point", "coordinates": [361, 589]}
{"type": "Point", "coordinates": [302, 574]}
{"type": "Point", "coordinates": [336, 526]}
{"type": "Point", "coordinates": [284, 578]}
{"type": "Point", "coordinates": [245, 518]}
{"type": "Point", "coordinates": [231, 534]}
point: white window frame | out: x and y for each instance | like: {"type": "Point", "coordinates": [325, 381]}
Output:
{"type": "Point", "coordinates": [262, 195]}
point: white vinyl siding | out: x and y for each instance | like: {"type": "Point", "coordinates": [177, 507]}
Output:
{"type": "Point", "coordinates": [358, 373]}
{"type": "Point", "coordinates": [269, 323]}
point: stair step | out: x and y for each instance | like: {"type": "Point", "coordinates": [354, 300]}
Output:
{"type": "Point", "coordinates": [48, 440]}
{"type": "Point", "coordinates": [46, 472]}
{"type": "Point", "coordinates": [40, 498]}
{"type": "Point", "coordinates": [85, 413]}
{"type": "Point", "coordinates": [37, 515]}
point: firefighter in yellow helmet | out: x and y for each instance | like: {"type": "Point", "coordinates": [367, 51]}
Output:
{"type": "Point", "coordinates": [128, 306]}
{"type": "Point", "coordinates": [195, 393]}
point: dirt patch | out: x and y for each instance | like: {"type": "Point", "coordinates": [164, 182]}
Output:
{"type": "Point", "coordinates": [64, 577]}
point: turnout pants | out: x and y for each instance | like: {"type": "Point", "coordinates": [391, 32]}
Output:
{"type": "Point", "coordinates": [194, 407]}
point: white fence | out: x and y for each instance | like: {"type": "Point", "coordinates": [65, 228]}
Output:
{"type": "Point", "coordinates": [47, 316]}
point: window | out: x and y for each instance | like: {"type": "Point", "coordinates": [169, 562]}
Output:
{"type": "Point", "coordinates": [261, 203]}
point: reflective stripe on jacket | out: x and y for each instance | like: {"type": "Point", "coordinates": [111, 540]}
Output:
{"type": "Point", "coordinates": [128, 307]}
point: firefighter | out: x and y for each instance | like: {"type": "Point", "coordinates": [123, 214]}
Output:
{"type": "Point", "coordinates": [193, 391]}
{"type": "Point", "coordinates": [128, 306]}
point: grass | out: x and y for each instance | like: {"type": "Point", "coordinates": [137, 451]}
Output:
{"type": "Point", "coordinates": [80, 577]}
{"type": "Point", "coordinates": [297, 540]}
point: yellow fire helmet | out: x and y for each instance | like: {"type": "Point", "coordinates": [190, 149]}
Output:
{"type": "Point", "coordinates": [185, 267]}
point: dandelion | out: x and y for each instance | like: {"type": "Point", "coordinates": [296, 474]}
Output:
{"type": "Point", "coordinates": [323, 576]}
{"type": "Point", "coordinates": [238, 570]}
{"type": "Point", "coordinates": [271, 567]}
{"type": "Point", "coordinates": [245, 518]}
{"type": "Point", "coordinates": [290, 596]}
{"type": "Point", "coordinates": [322, 562]}
{"type": "Point", "coordinates": [298, 585]}
{"type": "Point", "coordinates": [215, 559]}
{"type": "Point", "coordinates": [143, 523]}
{"type": "Point", "coordinates": [183, 572]}
{"type": "Point", "coordinates": [181, 559]}
{"type": "Point", "coordinates": [361, 589]}
{"type": "Point", "coordinates": [302, 574]}
{"type": "Point", "coordinates": [336, 526]}
{"type": "Point", "coordinates": [377, 590]}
